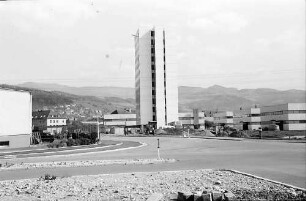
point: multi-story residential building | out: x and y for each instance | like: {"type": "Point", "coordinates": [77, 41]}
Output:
{"type": "Point", "coordinates": [46, 121]}
{"type": "Point", "coordinates": [247, 119]}
{"type": "Point", "coordinates": [119, 120]}
{"type": "Point", "coordinates": [195, 119]}
{"type": "Point", "coordinates": [223, 119]}
{"type": "Point", "coordinates": [290, 116]}
{"type": "Point", "coordinates": [155, 79]}
{"type": "Point", "coordinates": [15, 118]}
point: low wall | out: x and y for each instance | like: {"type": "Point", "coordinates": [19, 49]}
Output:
{"type": "Point", "coordinates": [15, 141]}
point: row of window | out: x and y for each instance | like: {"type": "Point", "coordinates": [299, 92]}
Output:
{"type": "Point", "coordinates": [283, 112]}
{"type": "Point", "coordinates": [116, 120]}
{"type": "Point", "coordinates": [56, 121]}
{"type": "Point", "coordinates": [189, 118]}
{"type": "Point", "coordinates": [286, 122]}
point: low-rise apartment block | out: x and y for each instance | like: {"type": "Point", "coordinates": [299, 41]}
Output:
{"type": "Point", "coordinates": [223, 119]}
{"type": "Point", "coordinates": [247, 119]}
{"type": "Point", "coordinates": [46, 121]}
{"type": "Point", "coordinates": [290, 116]}
{"type": "Point", "coordinates": [119, 120]}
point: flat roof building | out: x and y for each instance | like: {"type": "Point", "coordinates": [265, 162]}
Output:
{"type": "Point", "coordinates": [195, 119]}
{"type": "Point", "coordinates": [155, 79]}
{"type": "Point", "coordinates": [247, 119]}
{"type": "Point", "coordinates": [289, 116]}
{"type": "Point", "coordinates": [223, 119]}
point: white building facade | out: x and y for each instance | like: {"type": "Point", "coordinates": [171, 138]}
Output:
{"type": "Point", "coordinates": [290, 116]}
{"type": "Point", "coordinates": [55, 124]}
{"type": "Point", "coordinates": [155, 79]}
{"type": "Point", "coordinates": [15, 118]}
{"type": "Point", "coordinates": [120, 120]}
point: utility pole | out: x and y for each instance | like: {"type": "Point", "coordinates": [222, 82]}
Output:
{"type": "Point", "coordinates": [158, 149]}
{"type": "Point", "coordinates": [98, 128]}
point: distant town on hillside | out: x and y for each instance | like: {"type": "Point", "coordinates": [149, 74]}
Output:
{"type": "Point", "coordinates": [85, 102]}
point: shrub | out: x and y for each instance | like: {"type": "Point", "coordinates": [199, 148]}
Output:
{"type": "Point", "coordinates": [70, 142]}
{"type": "Point", "coordinates": [48, 177]}
{"type": "Point", "coordinates": [57, 143]}
{"type": "Point", "coordinates": [93, 137]}
{"type": "Point", "coordinates": [77, 142]}
{"type": "Point", "coordinates": [46, 137]}
{"type": "Point", "coordinates": [173, 131]}
{"type": "Point", "coordinates": [84, 141]}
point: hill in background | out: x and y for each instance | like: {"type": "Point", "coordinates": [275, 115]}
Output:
{"type": "Point", "coordinates": [71, 105]}
{"type": "Point", "coordinates": [212, 98]}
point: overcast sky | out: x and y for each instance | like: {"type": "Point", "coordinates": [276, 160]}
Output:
{"type": "Point", "coordinates": [233, 43]}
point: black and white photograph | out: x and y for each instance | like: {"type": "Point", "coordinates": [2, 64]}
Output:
{"type": "Point", "coordinates": [152, 100]}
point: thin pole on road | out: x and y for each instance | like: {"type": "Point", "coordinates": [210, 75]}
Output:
{"type": "Point", "coordinates": [158, 155]}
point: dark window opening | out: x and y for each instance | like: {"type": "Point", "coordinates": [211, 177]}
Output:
{"type": "Point", "coordinates": [4, 143]}
{"type": "Point", "coordinates": [154, 118]}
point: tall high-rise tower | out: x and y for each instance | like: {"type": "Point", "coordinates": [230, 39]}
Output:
{"type": "Point", "coordinates": [155, 79]}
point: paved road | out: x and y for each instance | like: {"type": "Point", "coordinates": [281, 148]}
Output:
{"type": "Point", "coordinates": [277, 160]}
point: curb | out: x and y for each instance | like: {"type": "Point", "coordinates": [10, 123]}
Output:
{"type": "Point", "coordinates": [265, 179]}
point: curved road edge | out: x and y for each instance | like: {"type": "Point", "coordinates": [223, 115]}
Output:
{"type": "Point", "coordinates": [84, 151]}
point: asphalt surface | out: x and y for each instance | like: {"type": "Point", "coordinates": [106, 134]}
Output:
{"type": "Point", "coordinates": [276, 160]}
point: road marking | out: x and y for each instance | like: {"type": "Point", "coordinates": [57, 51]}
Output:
{"type": "Point", "coordinates": [63, 151]}
{"type": "Point", "coordinates": [86, 153]}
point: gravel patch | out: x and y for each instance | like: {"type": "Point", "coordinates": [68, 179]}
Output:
{"type": "Point", "coordinates": [139, 186]}
{"type": "Point", "coordinates": [19, 166]}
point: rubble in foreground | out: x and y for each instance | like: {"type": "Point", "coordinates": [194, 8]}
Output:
{"type": "Point", "coordinates": [140, 186]}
